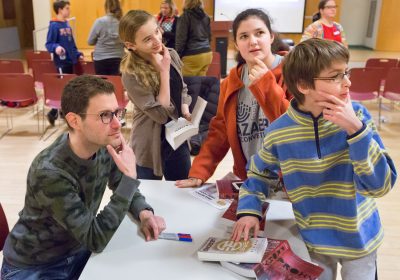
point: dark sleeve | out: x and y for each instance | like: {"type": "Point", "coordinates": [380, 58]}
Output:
{"type": "Point", "coordinates": [52, 38]}
{"type": "Point", "coordinates": [138, 202]}
{"type": "Point", "coordinates": [209, 30]}
{"type": "Point", "coordinates": [182, 30]}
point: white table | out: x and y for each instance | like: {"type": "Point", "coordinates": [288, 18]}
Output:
{"type": "Point", "coordinates": [128, 256]}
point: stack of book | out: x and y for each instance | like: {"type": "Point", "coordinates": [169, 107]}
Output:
{"type": "Point", "coordinates": [278, 263]}
{"type": "Point", "coordinates": [261, 258]}
{"type": "Point", "coordinates": [224, 249]}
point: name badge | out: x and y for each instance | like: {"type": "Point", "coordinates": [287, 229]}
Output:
{"type": "Point", "coordinates": [337, 32]}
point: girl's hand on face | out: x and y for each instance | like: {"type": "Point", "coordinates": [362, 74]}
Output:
{"type": "Point", "coordinates": [258, 70]}
{"type": "Point", "coordinates": [162, 60]}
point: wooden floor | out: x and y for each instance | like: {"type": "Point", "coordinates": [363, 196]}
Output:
{"type": "Point", "coordinates": [22, 144]}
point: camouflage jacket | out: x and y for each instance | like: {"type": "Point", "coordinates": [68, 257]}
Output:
{"type": "Point", "coordinates": [61, 204]}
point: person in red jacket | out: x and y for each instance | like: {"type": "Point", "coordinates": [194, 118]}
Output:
{"type": "Point", "coordinates": [251, 97]}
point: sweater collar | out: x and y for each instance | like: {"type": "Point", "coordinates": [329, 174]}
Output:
{"type": "Point", "coordinates": [302, 117]}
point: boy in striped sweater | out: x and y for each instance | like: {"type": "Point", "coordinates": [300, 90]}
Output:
{"type": "Point", "coordinates": [333, 164]}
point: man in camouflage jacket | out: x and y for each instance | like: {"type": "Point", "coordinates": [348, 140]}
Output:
{"type": "Point", "coordinates": [60, 225]}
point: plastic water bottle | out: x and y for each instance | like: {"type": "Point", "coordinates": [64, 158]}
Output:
{"type": "Point", "coordinates": [63, 56]}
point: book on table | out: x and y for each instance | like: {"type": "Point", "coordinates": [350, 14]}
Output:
{"type": "Point", "coordinates": [224, 249]}
{"type": "Point", "coordinates": [178, 131]}
{"type": "Point", "coordinates": [209, 194]}
{"type": "Point", "coordinates": [230, 213]}
{"type": "Point", "coordinates": [278, 263]}
{"type": "Point", "coordinates": [228, 188]}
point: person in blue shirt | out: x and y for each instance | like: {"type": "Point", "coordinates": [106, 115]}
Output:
{"type": "Point", "coordinates": [60, 42]}
{"type": "Point", "coordinates": [332, 162]}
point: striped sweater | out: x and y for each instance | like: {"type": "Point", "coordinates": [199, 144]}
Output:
{"type": "Point", "coordinates": [331, 180]}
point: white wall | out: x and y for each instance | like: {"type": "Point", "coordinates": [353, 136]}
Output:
{"type": "Point", "coordinates": [354, 15]}
{"type": "Point", "coordinates": [41, 15]}
{"type": "Point", "coordinates": [371, 42]}
{"type": "Point", "coordinates": [354, 18]}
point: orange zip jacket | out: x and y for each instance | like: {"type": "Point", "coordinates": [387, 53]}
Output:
{"type": "Point", "coordinates": [271, 94]}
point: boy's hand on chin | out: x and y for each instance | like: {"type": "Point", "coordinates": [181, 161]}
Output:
{"type": "Point", "coordinates": [341, 113]}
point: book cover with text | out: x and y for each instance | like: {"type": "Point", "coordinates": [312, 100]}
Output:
{"type": "Point", "coordinates": [224, 249]}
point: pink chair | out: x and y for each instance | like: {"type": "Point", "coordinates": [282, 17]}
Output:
{"type": "Point", "coordinates": [53, 85]}
{"type": "Point", "coordinates": [366, 83]}
{"type": "Point", "coordinates": [385, 63]}
{"type": "Point", "coordinates": [42, 66]}
{"type": "Point", "coordinates": [4, 230]}
{"type": "Point", "coordinates": [11, 66]}
{"type": "Point", "coordinates": [392, 86]}
{"type": "Point", "coordinates": [119, 89]}
{"type": "Point", "coordinates": [31, 55]}
{"type": "Point", "coordinates": [87, 67]}
{"type": "Point", "coordinates": [214, 70]}
{"type": "Point", "coordinates": [19, 89]}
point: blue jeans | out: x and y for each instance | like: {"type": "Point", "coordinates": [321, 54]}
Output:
{"type": "Point", "coordinates": [68, 268]}
{"type": "Point", "coordinates": [175, 164]}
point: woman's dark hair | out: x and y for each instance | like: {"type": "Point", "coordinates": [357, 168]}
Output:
{"type": "Point", "coordinates": [316, 16]}
{"type": "Point", "coordinates": [258, 13]}
{"type": "Point", "coordinates": [278, 44]}
{"type": "Point", "coordinates": [322, 4]}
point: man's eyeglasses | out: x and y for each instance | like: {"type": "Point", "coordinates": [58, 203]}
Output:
{"type": "Point", "coordinates": [107, 116]}
{"type": "Point", "coordinates": [337, 78]}
{"type": "Point", "coordinates": [331, 7]}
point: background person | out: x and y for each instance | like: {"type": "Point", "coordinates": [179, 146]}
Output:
{"type": "Point", "coordinates": [193, 36]}
{"type": "Point", "coordinates": [61, 44]}
{"type": "Point", "coordinates": [167, 19]}
{"type": "Point", "coordinates": [104, 35]}
{"type": "Point", "coordinates": [325, 27]}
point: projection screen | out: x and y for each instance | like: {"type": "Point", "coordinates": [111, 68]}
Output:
{"type": "Point", "coordinates": [287, 15]}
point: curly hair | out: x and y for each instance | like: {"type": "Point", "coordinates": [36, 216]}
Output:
{"type": "Point", "coordinates": [132, 63]}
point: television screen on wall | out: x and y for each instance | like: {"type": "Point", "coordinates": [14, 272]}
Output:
{"type": "Point", "coordinates": [287, 15]}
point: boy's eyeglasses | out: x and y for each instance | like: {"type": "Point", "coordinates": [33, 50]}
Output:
{"type": "Point", "coordinates": [107, 116]}
{"type": "Point", "coordinates": [337, 78]}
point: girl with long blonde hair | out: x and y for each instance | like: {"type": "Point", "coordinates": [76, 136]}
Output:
{"type": "Point", "coordinates": [151, 74]}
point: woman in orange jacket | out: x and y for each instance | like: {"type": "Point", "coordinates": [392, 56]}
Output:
{"type": "Point", "coordinates": [251, 97]}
